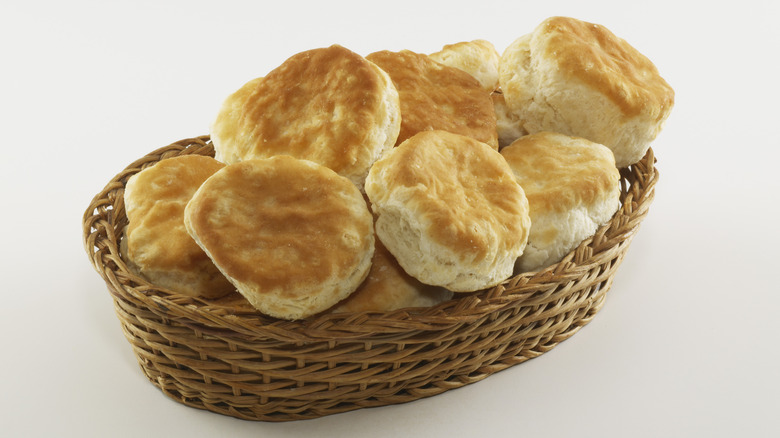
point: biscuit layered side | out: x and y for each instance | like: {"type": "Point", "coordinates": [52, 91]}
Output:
{"type": "Point", "coordinates": [579, 79]}
{"type": "Point", "coordinates": [572, 186]}
{"type": "Point", "coordinates": [509, 126]}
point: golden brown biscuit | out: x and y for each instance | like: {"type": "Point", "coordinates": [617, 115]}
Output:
{"type": "Point", "coordinates": [572, 186]}
{"type": "Point", "coordinates": [450, 210]}
{"type": "Point", "coordinates": [327, 105]}
{"type": "Point", "coordinates": [388, 287]}
{"type": "Point", "coordinates": [434, 96]}
{"type": "Point", "coordinates": [156, 243]}
{"type": "Point", "coordinates": [478, 58]}
{"type": "Point", "coordinates": [580, 79]}
{"type": "Point", "coordinates": [293, 236]}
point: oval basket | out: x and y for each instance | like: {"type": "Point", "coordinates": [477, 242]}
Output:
{"type": "Point", "coordinates": [225, 357]}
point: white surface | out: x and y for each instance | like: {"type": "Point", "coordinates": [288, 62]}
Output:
{"type": "Point", "coordinates": [686, 345]}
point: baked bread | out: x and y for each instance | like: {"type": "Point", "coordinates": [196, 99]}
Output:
{"type": "Point", "coordinates": [572, 186]}
{"type": "Point", "coordinates": [435, 96]}
{"type": "Point", "coordinates": [293, 236]}
{"type": "Point", "coordinates": [580, 79]}
{"type": "Point", "coordinates": [508, 125]}
{"type": "Point", "coordinates": [450, 210]}
{"type": "Point", "coordinates": [478, 58]}
{"type": "Point", "coordinates": [388, 287]}
{"type": "Point", "coordinates": [156, 244]}
{"type": "Point", "coordinates": [327, 105]}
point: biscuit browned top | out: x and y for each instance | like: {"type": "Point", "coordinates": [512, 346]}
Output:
{"type": "Point", "coordinates": [435, 96]}
{"type": "Point", "coordinates": [594, 55]}
{"type": "Point", "coordinates": [157, 241]}
{"type": "Point", "coordinates": [559, 172]}
{"type": "Point", "coordinates": [281, 224]}
{"type": "Point", "coordinates": [326, 105]}
{"type": "Point", "coordinates": [463, 192]}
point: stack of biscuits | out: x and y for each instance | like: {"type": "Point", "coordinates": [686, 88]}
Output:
{"type": "Point", "coordinates": [344, 183]}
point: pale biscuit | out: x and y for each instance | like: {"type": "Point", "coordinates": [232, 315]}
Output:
{"type": "Point", "coordinates": [478, 58]}
{"type": "Point", "coordinates": [508, 125]}
{"type": "Point", "coordinates": [388, 287]}
{"type": "Point", "coordinates": [450, 210]}
{"type": "Point", "coordinates": [157, 245]}
{"type": "Point", "coordinates": [327, 105]}
{"type": "Point", "coordinates": [435, 96]}
{"type": "Point", "coordinates": [572, 186]}
{"type": "Point", "coordinates": [293, 236]}
{"type": "Point", "coordinates": [579, 79]}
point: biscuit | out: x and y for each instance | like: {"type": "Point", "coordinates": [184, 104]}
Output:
{"type": "Point", "coordinates": [157, 245]}
{"type": "Point", "coordinates": [450, 210]}
{"type": "Point", "coordinates": [478, 58]}
{"type": "Point", "coordinates": [437, 97]}
{"type": "Point", "coordinates": [580, 79]}
{"type": "Point", "coordinates": [231, 127]}
{"type": "Point", "coordinates": [572, 186]}
{"type": "Point", "coordinates": [294, 237]}
{"type": "Point", "coordinates": [327, 105]}
{"type": "Point", "coordinates": [508, 125]}
{"type": "Point", "coordinates": [388, 287]}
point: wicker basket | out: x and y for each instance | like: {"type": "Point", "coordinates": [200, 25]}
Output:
{"type": "Point", "coordinates": [225, 357]}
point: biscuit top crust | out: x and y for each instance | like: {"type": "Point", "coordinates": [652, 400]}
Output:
{"type": "Point", "coordinates": [559, 172]}
{"type": "Point", "coordinates": [594, 55]}
{"type": "Point", "coordinates": [324, 105]}
{"type": "Point", "coordinates": [462, 191]}
{"type": "Point", "coordinates": [435, 96]}
{"type": "Point", "coordinates": [281, 224]}
{"type": "Point", "coordinates": [155, 199]}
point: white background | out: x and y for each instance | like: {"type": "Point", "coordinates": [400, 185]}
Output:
{"type": "Point", "coordinates": [686, 345]}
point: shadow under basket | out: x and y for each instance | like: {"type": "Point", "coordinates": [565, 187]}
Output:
{"type": "Point", "coordinates": [223, 356]}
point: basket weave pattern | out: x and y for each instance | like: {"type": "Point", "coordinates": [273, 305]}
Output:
{"type": "Point", "coordinates": [224, 356]}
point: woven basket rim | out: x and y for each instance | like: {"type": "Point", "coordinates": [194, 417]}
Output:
{"type": "Point", "coordinates": [210, 317]}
